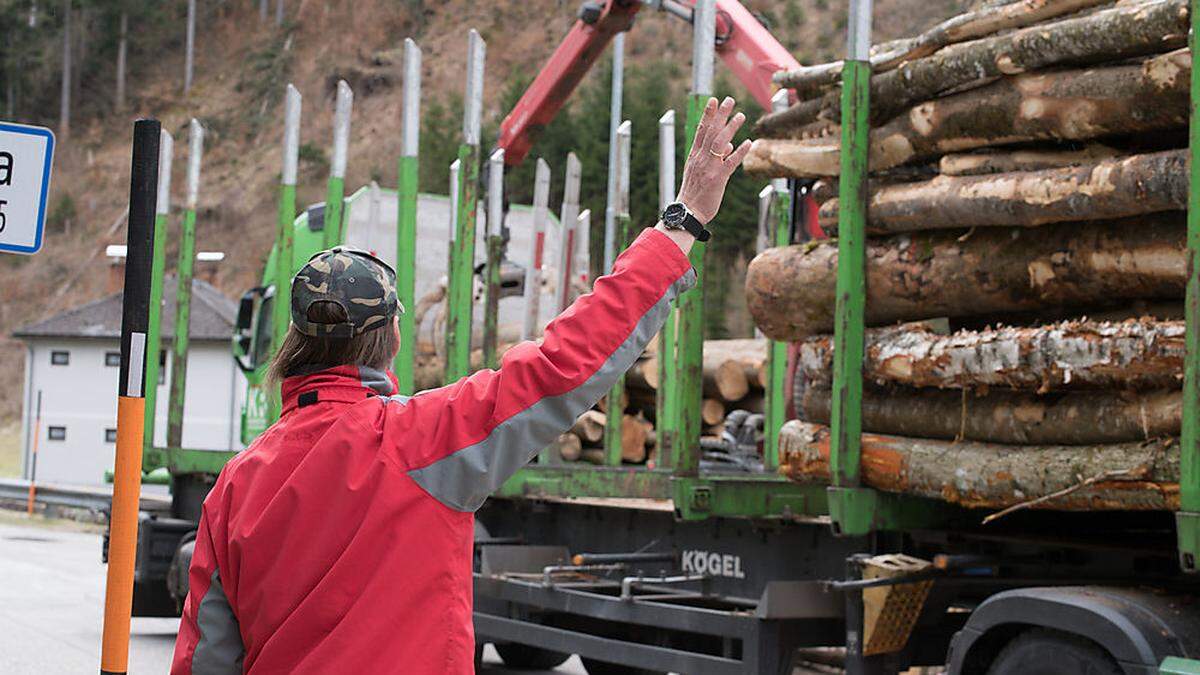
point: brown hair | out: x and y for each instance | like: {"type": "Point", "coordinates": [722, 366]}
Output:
{"type": "Point", "coordinates": [375, 348]}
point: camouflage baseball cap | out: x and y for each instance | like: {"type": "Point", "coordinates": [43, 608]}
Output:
{"type": "Point", "coordinates": [360, 283]}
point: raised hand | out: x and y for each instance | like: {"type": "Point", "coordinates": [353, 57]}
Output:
{"type": "Point", "coordinates": [712, 159]}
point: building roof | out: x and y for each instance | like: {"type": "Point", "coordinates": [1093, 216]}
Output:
{"type": "Point", "coordinates": [213, 316]}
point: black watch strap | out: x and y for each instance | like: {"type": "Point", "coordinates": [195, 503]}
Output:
{"type": "Point", "coordinates": [696, 228]}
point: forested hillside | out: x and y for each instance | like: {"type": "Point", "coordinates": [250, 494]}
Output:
{"type": "Point", "coordinates": [242, 61]}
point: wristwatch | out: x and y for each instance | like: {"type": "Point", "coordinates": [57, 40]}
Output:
{"type": "Point", "coordinates": [677, 217]}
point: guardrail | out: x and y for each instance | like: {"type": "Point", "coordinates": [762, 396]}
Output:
{"type": "Point", "coordinates": [98, 498]}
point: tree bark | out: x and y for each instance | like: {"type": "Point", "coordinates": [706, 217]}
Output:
{"type": "Point", "coordinates": [1001, 416]}
{"type": "Point", "coordinates": [1122, 32]}
{"type": "Point", "coordinates": [811, 80]}
{"type": "Point", "coordinates": [1140, 476]}
{"type": "Point", "coordinates": [1112, 188]}
{"type": "Point", "coordinates": [790, 290]}
{"type": "Point", "coordinates": [1067, 105]}
{"type": "Point", "coordinates": [984, 163]}
{"type": "Point", "coordinates": [1141, 354]}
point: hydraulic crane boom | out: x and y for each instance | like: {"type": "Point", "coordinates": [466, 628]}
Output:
{"type": "Point", "coordinates": [560, 76]}
{"type": "Point", "coordinates": [746, 46]}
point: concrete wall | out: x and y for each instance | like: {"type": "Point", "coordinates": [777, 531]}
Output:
{"type": "Point", "coordinates": [81, 397]}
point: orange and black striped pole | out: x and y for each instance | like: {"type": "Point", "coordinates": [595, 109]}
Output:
{"type": "Point", "coordinates": [131, 402]}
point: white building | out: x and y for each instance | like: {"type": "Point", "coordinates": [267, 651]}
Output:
{"type": "Point", "coordinates": [73, 359]}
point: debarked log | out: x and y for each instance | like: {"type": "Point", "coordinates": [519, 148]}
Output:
{"type": "Point", "coordinates": [1124, 476]}
{"type": "Point", "coordinates": [1005, 416]}
{"type": "Point", "coordinates": [790, 290]}
{"type": "Point", "coordinates": [990, 162]}
{"type": "Point", "coordinates": [1135, 354]}
{"type": "Point", "coordinates": [1065, 104]}
{"type": "Point", "coordinates": [1105, 189]}
{"type": "Point", "coordinates": [1110, 35]}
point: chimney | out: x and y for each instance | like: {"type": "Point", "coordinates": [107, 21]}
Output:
{"type": "Point", "coordinates": [208, 264]}
{"type": "Point", "coordinates": [116, 268]}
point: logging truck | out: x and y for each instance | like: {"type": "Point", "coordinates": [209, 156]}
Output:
{"type": "Point", "coordinates": [993, 483]}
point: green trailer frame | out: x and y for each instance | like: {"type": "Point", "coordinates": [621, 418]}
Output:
{"type": "Point", "coordinates": [850, 507]}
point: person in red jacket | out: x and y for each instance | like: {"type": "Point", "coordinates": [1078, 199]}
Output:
{"type": "Point", "coordinates": [341, 539]}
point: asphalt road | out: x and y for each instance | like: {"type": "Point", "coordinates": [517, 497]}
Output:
{"type": "Point", "coordinates": [52, 598]}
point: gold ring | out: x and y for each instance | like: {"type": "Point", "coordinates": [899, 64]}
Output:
{"type": "Point", "coordinates": [714, 153]}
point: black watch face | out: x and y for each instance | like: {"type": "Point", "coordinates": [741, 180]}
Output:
{"type": "Point", "coordinates": [674, 215]}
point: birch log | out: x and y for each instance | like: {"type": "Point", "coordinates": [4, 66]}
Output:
{"type": "Point", "coordinates": [1065, 105]}
{"type": "Point", "coordinates": [1135, 476]}
{"type": "Point", "coordinates": [1111, 188]}
{"type": "Point", "coordinates": [1001, 416]}
{"type": "Point", "coordinates": [1125, 31]}
{"type": "Point", "coordinates": [1136, 354]}
{"type": "Point", "coordinates": [790, 290]}
{"type": "Point", "coordinates": [810, 80]}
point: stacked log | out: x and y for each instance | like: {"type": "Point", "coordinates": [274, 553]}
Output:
{"type": "Point", "coordinates": [734, 378]}
{"type": "Point", "coordinates": [1029, 180]}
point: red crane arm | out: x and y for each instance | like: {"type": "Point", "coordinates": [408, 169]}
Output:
{"type": "Point", "coordinates": [744, 44]}
{"type": "Point", "coordinates": [556, 82]}
{"type": "Point", "coordinates": [750, 51]}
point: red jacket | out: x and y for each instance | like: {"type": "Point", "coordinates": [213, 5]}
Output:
{"type": "Point", "coordinates": [341, 540]}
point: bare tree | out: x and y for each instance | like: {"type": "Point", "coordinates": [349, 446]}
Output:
{"type": "Point", "coordinates": [122, 43]}
{"type": "Point", "coordinates": [64, 112]}
{"type": "Point", "coordinates": [190, 47]}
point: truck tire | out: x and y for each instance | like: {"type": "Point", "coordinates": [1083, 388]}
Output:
{"type": "Point", "coordinates": [1050, 652]}
{"type": "Point", "coordinates": [517, 655]}
{"type": "Point", "coordinates": [595, 667]}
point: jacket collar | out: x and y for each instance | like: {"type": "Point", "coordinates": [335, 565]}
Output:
{"type": "Point", "coordinates": [346, 384]}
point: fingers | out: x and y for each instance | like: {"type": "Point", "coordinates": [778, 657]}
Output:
{"type": "Point", "coordinates": [700, 142]}
{"type": "Point", "coordinates": [734, 160]}
{"type": "Point", "coordinates": [704, 128]}
{"type": "Point", "coordinates": [710, 112]}
{"type": "Point", "coordinates": [720, 141]}
{"type": "Point", "coordinates": [723, 111]}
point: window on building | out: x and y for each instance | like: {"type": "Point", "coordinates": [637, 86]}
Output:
{"type": "Point", "coordinates": [110, 435]}
{"type": "Point", "coordinates": [60, 357]}
{"type": "Point", "coordinates": [56, 433]}
{"type": "Point", "coordinates": [112, 359]}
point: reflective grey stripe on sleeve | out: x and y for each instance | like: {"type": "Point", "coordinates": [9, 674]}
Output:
{"type": "Point", "coordinates": [220, 648]}
{"type": "Point", "coordinates": [464, 479]}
